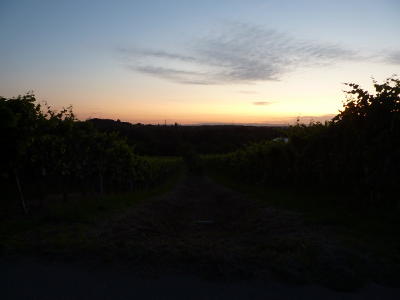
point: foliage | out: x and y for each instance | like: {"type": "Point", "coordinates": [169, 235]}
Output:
{"type": "Point", "coordinates": [356, 153]}
{"type": "Point", "coordinates": [50, 152]}
{"type": "Point", "coordinates": [177, 140]}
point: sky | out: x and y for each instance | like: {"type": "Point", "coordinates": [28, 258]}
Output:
{"type": "Point", "coordinates": [197, 62]}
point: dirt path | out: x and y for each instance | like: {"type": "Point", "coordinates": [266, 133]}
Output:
{"type": "Point", "coordinates": [202, 241]}
{"type": "Point", "coordinates": [208, 229]}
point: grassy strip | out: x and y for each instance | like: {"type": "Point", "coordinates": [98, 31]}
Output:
{"type": "Point", "coordinates": [371, 229]}
{"type": "Point", "coordinates": [64, 226]}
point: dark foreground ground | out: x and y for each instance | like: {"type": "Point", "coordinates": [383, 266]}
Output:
{"type": "Point", "coordinates": [28, 279]}
{"type": "Point", "coordinates": [199, 241]}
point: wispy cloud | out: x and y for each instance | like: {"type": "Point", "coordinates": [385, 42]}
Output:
{"type": "Point", "coordinates": [393, 58]}
{"type": "Point", "coordinates": [180, 76]}
{"type": "Point", "coordinates": [155, 53]}
{"type": "Point", "coordinates": [262, 102]}
{"type": "Point", "coordinates": [239, 53]}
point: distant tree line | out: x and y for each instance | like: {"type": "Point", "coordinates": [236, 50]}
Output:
{"type": "Point", "coordinates": [175, 140]}
{"type": "Point", "coordinates": [50, 152]}
{"type": "Point", "coordinates": [357, 153]}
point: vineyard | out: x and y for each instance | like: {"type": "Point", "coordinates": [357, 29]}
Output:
{"type": "Point", "coordinates": [327, 211]}
{"type": "Point", "coordinates": [154, 149]}
{"type": "Point", "coordinates": [47, 153]}
{"type": "Point", "coordinates": [356, 154]}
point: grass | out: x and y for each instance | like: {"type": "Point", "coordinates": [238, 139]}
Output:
{"type": "Point", "coordinates": [64, 226]}
{"type": "Point", "coordinates": [94, 228]}
{"type": "Point", "coordinates": [371, 236]}
{"type": "Point", "coordinates": [375, 230]}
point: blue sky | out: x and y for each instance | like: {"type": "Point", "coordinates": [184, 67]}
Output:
{"type": "Point", "coordinates": [196, 61]}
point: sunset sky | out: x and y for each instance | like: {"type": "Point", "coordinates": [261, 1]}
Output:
{"type": "Point", "coordinates": [209, 61]}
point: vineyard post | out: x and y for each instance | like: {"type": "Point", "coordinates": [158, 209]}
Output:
{"type": "Point", "coordinates": [21, 194]}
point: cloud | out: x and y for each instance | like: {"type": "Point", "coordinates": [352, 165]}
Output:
{"type": "Point", "coordinates": [180, 76]}
{"type": "Point", "coordinates": [155, 53]}
{"type": "Point", "coordinates": [393, 58]}
{"type": "Point", "coordinates": [262, 102]}
{"type": "Point", "coordinates": [238, 53]}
